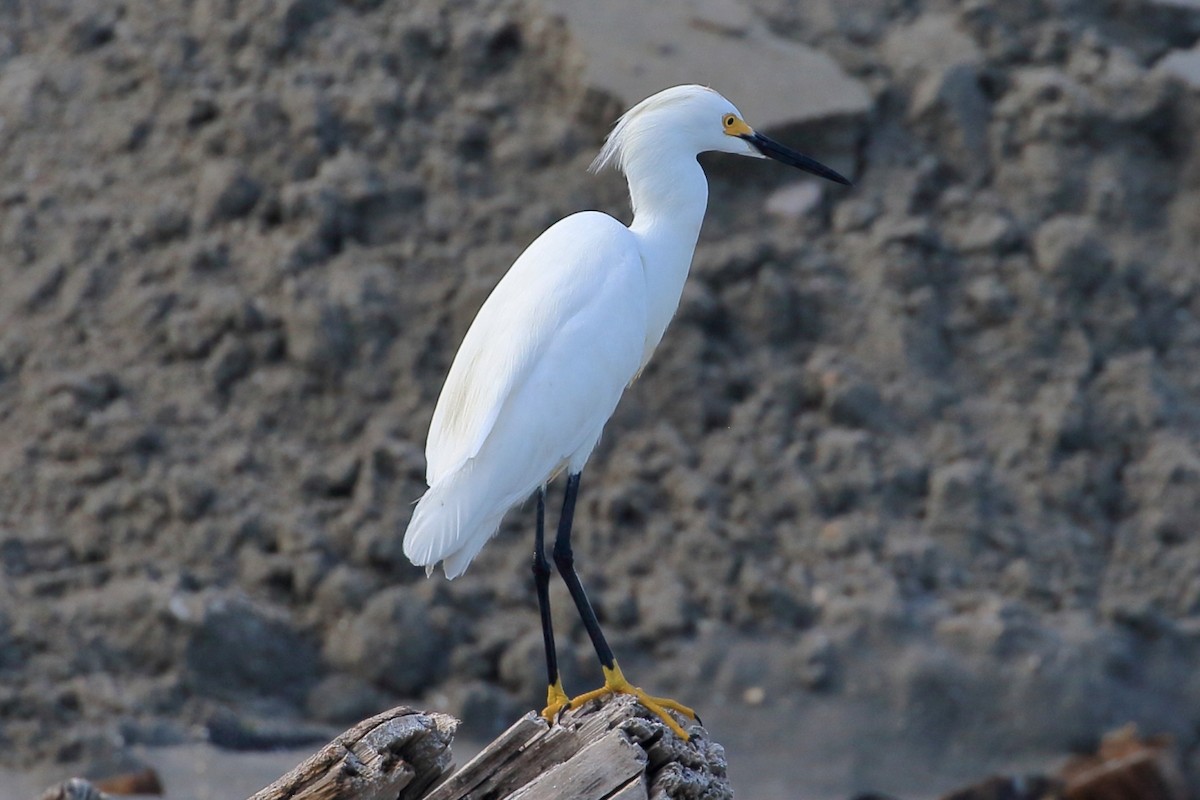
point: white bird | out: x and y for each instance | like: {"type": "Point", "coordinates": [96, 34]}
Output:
{"type": "Point", "coordinates": [551, 351]}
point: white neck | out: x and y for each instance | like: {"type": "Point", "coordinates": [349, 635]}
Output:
{"type": "Point", "coordinates": [669, 194]}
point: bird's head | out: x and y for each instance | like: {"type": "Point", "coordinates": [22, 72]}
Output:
{"type": "Point", "coordinates": [694, 119]}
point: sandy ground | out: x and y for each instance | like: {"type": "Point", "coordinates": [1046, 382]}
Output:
{"type": "Point", "coordinates": [917, 461]}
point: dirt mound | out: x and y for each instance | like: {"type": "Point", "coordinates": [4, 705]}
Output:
{"type": "Point", "coordinates": [931, 445]}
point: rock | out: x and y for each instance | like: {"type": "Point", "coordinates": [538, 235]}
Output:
{"type": "Point", "coordinates": [717, 43]}
{"type": "Point", "coordinates": [239, 646]}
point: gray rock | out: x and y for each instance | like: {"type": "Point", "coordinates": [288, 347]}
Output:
{"type": "Point", "coordinates": [240, 646]}
{"type": "Point", "coordinates": [777, 82]}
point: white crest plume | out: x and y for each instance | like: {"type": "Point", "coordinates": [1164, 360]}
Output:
{"type": "Point", "coordinates": [638, 122]}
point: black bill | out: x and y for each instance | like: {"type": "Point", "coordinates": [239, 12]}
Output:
{"type": "Point", "coordinates": [773, 149]}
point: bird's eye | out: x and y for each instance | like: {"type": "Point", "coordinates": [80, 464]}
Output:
{"type": "Point", "coordinates": [729, 120]}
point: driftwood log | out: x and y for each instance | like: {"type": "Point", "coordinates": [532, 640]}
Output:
{"type": "Point", "coordinates": [612, 750]}
{"type": "Point", "coordinates": [394, 755]}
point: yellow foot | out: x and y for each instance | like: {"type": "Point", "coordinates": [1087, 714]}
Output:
{"type": "Point", "coordinates": [615, 683]}
{"type": "Point", "coordinates": [556, 701]}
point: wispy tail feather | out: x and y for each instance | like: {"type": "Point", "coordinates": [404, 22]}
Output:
{"type": "Point", "coordinates": [457, 562]}
{"type": "Point", "coordinates": [446, 527]}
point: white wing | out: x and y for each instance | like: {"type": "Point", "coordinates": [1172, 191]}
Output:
{"type": "Point", "coordinates": [552, 281]}
{"type": "Point", "coordinates": [539, 373]}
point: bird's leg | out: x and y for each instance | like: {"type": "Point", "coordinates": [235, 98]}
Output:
{"type": "Point", "coordinates": [556, 697]}
{"type": "Point", "coordinates": [614, 680]}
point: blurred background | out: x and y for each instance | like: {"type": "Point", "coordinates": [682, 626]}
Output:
{"type": "Point", "coordinates": [909, 493]}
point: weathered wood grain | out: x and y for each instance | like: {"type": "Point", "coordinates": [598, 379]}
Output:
{"type": "Point", "coordinates": [615, 750]}
{"type": "Point", "coordinates": [392, 756]}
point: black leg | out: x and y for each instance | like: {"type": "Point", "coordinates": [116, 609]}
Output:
{"type": "Point", "coordinates": [614, 680]}
{"type": "Point", "coordinates": [541, 579]}
{"type": "Point", "coordinates": [565, 560]}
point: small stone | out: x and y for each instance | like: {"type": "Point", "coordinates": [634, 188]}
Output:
{"type": "Point", "coordinates": [754, 696]}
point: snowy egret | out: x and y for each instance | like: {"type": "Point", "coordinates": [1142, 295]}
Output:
{"type": "Point", "coordinates": [553, 347]}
